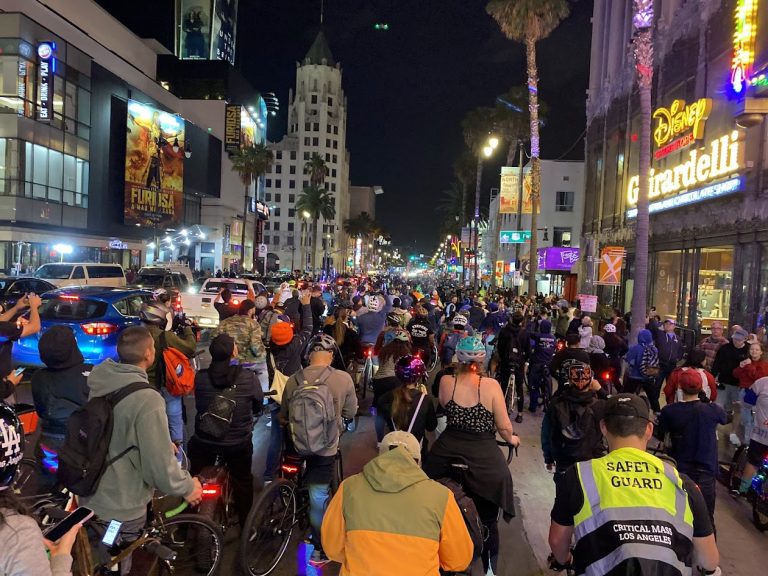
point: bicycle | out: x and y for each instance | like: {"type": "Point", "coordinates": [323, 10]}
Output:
{"type": "Point", "coordinates": [177, 543]}
{"type": "Point", "coordinates": [366, 374]}
{"type": "Point", "coordinates": [759, 488]}
{"type": "Point", "coordinates": [732, 471]}
{"type": "Point", "coordinates": [283, 505]}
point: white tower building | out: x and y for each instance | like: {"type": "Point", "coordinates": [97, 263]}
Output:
{"type": "Point", "coordinates": [317, 124]}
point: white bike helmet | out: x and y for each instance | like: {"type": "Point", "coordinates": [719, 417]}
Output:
{"type": "Point", "coordinates": [470, 349]}
{"type": "Point", "coordinates": [460, 320]}
{"type": "Point", "coordinates": [374, 303]}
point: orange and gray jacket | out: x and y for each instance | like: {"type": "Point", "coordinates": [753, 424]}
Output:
{"type": "Point", "coordinates": [392, 519]}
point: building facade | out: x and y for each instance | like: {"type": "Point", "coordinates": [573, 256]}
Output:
{"type": "Point", "coordinates": [559, 226]}
{"type": "Point", "coordinates": [317, 124]}
{"type": "Point", "coordinates": [93, 150]}
{"type": "Point", "coordinates": [708, 225]}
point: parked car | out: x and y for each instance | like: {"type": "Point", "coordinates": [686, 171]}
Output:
{"type": "Point", "coordinates": [96, 315]}
{"type": "Point", "coordinates": [155, 277]}
{"type": "Point", "coordinates": [199, 307]}
{"type": "Point", "coordinates": [13, 287]}
{"type": "Point", "coordinates": [82, 274]}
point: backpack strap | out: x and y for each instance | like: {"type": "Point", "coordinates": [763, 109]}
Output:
{"type": "Point", "coordinates": [324, 375]}
{"type": "Point", "coordinates": [416, 413]}
{"type": "Point", "coordinates": [114, 398]}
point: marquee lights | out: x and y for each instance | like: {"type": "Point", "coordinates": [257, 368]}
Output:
{"type": "Point", "coordinates": [720, 159]}
{"type": "Point", "coordinates": [707, 193]}
{"type": "Point", "coordinates": [679, 125]}
{"type": "Point", "coordinates": [743, 44]}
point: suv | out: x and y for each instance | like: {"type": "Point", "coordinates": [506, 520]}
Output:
{"type": "Point", "coordinates": [199, 307]}
{"type": "Point", "coordinates": [155, 277]}
{"type": "Point", "coordinates": [96, 315]}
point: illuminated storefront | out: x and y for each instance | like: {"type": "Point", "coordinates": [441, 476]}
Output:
{"type": "Point", "coordinates": [708, 245]}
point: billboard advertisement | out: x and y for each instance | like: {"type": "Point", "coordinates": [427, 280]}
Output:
{"type": "Point", "coordinates": [611, 260]}
{"type": "Point", "coordinates": [232, 131]}
{"type": "Point", "coordinates": [154, 172]}
{"type": "Point", "coordinates": [558, 258]}
{"type": "Point", "coordinates": [194, 29]}
{"type": "Point", "coordinates": [224, 27]}
{"type": "Point", "coordinates": [509, 191]}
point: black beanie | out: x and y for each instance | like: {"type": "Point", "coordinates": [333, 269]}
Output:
{"type": "Point", "coordinates": [221, 348]}
{"type": "Point", "coordinates": [58, 348]}
{"type": "Point", "coordinates": [245, 306]}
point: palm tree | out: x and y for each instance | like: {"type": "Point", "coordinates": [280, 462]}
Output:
{"type": "Point", "coordinates": [453, 207]}
{"type": "Point", "coordinates": [642, 22]}
{"type": "Point", "coordinates": [529, 21]}
{"type": "Point", "coordinates": [250, 163]}
{"type": "Point", "coordinates": [317, 170]}
{"type": "Point", "coordinates": [320, 204]}
{"type": "Point", "coordinates": [363, 227]}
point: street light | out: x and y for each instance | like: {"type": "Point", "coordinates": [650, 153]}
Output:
{"type": "Point", "coordinates": [486, 151]}
{"type": "Point", "coordinates": [62, 249]}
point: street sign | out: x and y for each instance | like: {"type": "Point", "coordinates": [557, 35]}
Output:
{"type": "Point", "coordinates": [262, 250]}
{"type": "Point", "coordinates": [514, 236]}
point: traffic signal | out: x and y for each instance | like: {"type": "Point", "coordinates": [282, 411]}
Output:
{"type": "Point", "coordinates": [381, 26]}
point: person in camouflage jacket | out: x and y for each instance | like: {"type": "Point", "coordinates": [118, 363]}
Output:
{"type": "Point", "coordinates": [245, 329]}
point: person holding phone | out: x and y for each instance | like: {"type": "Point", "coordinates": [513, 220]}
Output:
{"type": "Point", "coordinates": [10, 331]}
{"type": "Point", "coordinates": [24, 546]}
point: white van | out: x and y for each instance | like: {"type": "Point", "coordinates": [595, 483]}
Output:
{"type": "Point", "coordinates": [82, 273]}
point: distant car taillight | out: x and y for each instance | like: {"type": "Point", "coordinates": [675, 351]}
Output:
{"type": "Point", "coordinates": [99, 328]}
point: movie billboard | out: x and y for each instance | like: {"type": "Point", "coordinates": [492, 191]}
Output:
{"type": "Point", "coordinates": [510, 192]}
{"type": "Point", "coordinates": [194, 27]}
{"type": "Point", "coordinates": [154, 171]}
{"type": "Point", "coordinates": [224, 27]}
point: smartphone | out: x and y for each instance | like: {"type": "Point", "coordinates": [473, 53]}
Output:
{"type": "Point", "coordinates": [74, 518]}
{"type": "Point", "coordinates": [111, 534]}
{"type": "Point", "coordinates": [19, 371]}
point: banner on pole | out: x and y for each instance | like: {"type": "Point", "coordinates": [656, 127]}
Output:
{"type": "Point", "coordinates": [609, 270]}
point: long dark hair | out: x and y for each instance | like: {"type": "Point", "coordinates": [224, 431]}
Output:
{"type": "Point", "coordinates": [394, 351]}
{"type": "Point", "coordinates": [401, 406]}
{"type": "Point", "coordinates": [10, 501]}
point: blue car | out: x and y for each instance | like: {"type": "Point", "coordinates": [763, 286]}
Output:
{"type": "Point", "coordinates": [95, 314]}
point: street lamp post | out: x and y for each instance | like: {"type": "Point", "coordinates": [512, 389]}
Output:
{"type": "Point", "coordinates": [304, 220]}
{"type": "Point", "coordinates": [486, 152]}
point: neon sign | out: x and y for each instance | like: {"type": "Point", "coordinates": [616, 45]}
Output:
{"type": "Point", "coordinates": [707, 193]}
{"type": "Point", "coordinates": [743, 44]}
{"type": "Point", "coordinates": [703, 165]}
{"type": "Point", "coordinates": [679, 125]}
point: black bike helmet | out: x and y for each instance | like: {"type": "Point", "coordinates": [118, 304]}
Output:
{"type": "Point", "coordinates": [154, 313]}
{"type": "Point", "coordinates": [393, 319]}
{"type": "Point", "coordinates": [12, 437]}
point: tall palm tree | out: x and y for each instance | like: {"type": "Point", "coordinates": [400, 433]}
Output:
{"type": "Point", "coordinates": [250, 163]}
{"type": "Point", "coordinates": [453, 207]}
{"type": "Point", "coordinates": [642, 22]}
{"type": "Point", "coordinates": [528, 21]}
{"type": "Point", "coordinates": [317, 170]}
{"type": "Point", "coordinates": [320, 204]}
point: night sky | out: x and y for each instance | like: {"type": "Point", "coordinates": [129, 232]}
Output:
{"type": "Point", "coordinates": [407, 88]}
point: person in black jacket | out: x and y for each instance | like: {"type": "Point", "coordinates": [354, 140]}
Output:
{"type": "Point", "coordinates": [284, 354]}
{"type": "Point", "coordinates": [235, 448]}
{"type": "Point", "coordinates": [57, 390]}
{"type": "Point", "coordinates": [514, 350]}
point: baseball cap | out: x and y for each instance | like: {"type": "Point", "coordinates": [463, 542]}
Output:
{"type": "Point", "coordinates": [690, 381]}
{"type": "Point", "coordinates": [669, 320]}
{"type": "Point", "coordinates": [404, 439]}
{"type": "Point", "coordinates": [740, 334]}
{"type": "Point", "coordinates": [626, 406]}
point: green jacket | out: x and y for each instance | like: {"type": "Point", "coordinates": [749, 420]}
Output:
{"type": "Point", "coordinates": [139, 420]}
{"type": "Point", "coordinates": [247, 334]}
{"type": "Point", "coordinates": [185, 344]}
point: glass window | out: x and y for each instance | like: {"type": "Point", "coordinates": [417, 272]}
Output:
{"type": "Point", "coordinates": [276, 212]}
{"type": "Point", "coordinates": [292, 169]}
{"type": "Point", "coordinates": [289, 240]}
{"type": "Point", "coordinates": [267, 225]}
{"type": "Point", "coordinates": [307, 140]}
{"type": "Point", "coordinates": [278, 169]}
{"type": "Point", "coordinates": [105, 271]}
{"type": "Point", "coordinates": [314, 98]}
{"type": "Point", "coordinates": [278, 197]}
{"type": "Point", "coordinates": [291, 212]}
{"type": "Point", "coordinates": [715, 284]}
{"type": "Point", "coordinates": [60, 308]}
{"type": "Point", "coordinates": [290, 226]}
{"type": "Point", "coordinates": [279, 155]}
{"type": "Point", "coordinates": [278, 184]}
{"type": "Point", "coordinates": [78, 273]}
{"type": "Point", "coordinates": [666, 285]}
{"type": "Point", "coordinates": [306, 155]}
{"type": "Point", "coordinates": [293, 154]}
{"type": "Point", "coordinates": [276, 240]}
{"type": "Point", "coordinates": [561, 237]}
{"type": "Point", "coordinates": [54, 271]}
{"type": "Point", "coordinates": [277, 227]}
{"type": "Point", "coordinates": [268, 183]}
{"type": "Point", "coordinates": [315, 141]}
{"type": "Point", "coordinates": [307, 126]}
{"type": "Point", "coordinates": [291, 198]}
{"type": "Point", "coordinates": [123, 307]}
{"type": "Point", "coordinates": [291, 183]}
{"type": "Point", "coordinates": [268, 197]}
{"type": "Point", "coordinates": [564, 201]}
{"type": "Point", "coordinates": [55, 168]}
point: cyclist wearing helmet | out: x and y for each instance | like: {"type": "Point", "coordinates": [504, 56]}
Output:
{"type": "Point", "coordinates": [24, 547]}
{"type": "Point", "coordinates": [320, 466]}
{"type": "Point", "coordinates": [399, 309]}
{"type": "Point", "coordinates": [408, 407]}
{"type": "Point", "coordinates": [422, 335]}
{"type": "Point", "coordinates": [385, 378]}
{"type": "Point", "coordinates": [570, 431]}
{"type": "Point", "coordinates": [449, 340]}
{"type": "Point", "coordinates": [388, 333]}
{"type": "Point", "coordinates": [372, 322]}
{"type": "Point", "coordinates": [514, 350]}
{"type": "Point", "coordinates": [154, 315]}
{"type": "Point", "coordinates": [346, 338]}
{"type": "Point", "coordinates": [476, 411]}
{"type": "Point", "coordinates": [266, 316]}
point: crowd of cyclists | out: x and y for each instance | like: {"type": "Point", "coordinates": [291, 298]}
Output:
{"type": "Point", "coordinates": [452, 371]}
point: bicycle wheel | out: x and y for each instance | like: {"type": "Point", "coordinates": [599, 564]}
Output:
{"type": "Point", "coordinates": [760, 509]}
{"type": "Point", "coordinates": [736, 467]}
{"type": "Point", "coordinates": [338, 473]}
{"type": "Point", "coordinates": [510, 395]}
{"type": "Point", "coordinates": [268, 528]}
{"type": "Point", "coordinates": [197, 543]}
{"type": "Point", "coordinates": [367, 375]}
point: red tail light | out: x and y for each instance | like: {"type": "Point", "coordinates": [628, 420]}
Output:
{"type": "Point", "coordinates": [235, 302]}
{"type": "Point", "coordinates": [418, 354]}
{"type": "Point", "coordinates": [369, 352]}
{"type": "Point", "coordinates": [289, 468]}
{"type": "Point", "coordinates": [211, 491]}
{"type": "Point", "coordinates": [606, 375]}
{"type": "Point", "coordinates": [99, 328]}
{"type": "Point", "coordinates": [69, 297]}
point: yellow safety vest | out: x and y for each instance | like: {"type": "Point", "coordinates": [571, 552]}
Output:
{"type": "Point", "coordinates": [634, 508]}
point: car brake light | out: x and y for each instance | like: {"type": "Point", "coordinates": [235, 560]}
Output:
{"type": "Point", "coordinates": [289, 468]}
{"type": "Point", "coordinates": [99, 328]}
{"type": "Point", "coordinates": [211, 491]}
{"type": "Point", "coordinates": [235, 301]}
{"type": "Point", "coordinates": [606, 375]}
{"type": "Point", "coordinates": [70, 297]}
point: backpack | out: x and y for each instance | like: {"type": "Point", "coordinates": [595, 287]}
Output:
{"type": "Point", "coordinates": [178, 374]}
{"type": "Point", "coordinates": [649, 362]}
{"type": "Point", "coordinates": [452, 340]}
{"type": "Point", "coordinates": [579, 429]}
{"type": "Point", "coordinates": [266, 325]}
{"type": "Point", "coordinates": [312, 415]}
{"type": "Point", "coordinates": [83, 457]}
{"type": "Point", "coordinates": [217, 419]}
{"type": "Point", "coordinates": [515, 356]}
{"type": "Point", "coordinates": [469, 512]}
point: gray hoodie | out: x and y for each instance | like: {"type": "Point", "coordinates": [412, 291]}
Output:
{"type": "Point", "coordinates": [139, 420]}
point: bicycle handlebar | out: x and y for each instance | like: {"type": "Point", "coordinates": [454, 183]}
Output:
{"type": "Point", "coordinates": [176, 511]}
{"type": "Point", "coordinates": [511, 450]}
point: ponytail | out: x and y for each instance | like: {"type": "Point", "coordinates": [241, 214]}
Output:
{"type": "Point", "coordinates": [401, 406]}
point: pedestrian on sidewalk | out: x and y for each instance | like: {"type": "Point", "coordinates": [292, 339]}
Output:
{"type": "Point", "coordinates": [689, 430]}
{"type": "Point", "coordinates": [629, 511]}
{"type": "Point", "coordinates": [750, 370]}
{"type": "Point", "coordinates": [727, 359]}
{"type": "Point", "coordinates": [392, 519]}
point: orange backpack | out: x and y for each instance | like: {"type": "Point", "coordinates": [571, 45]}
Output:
{"type": "Point", "coordinates": [178, 373]}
